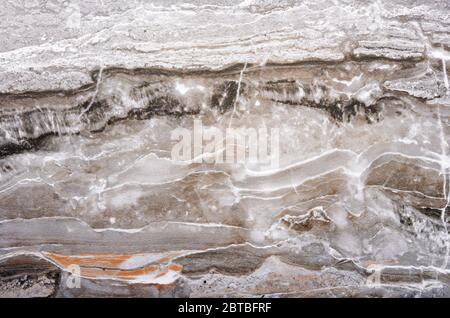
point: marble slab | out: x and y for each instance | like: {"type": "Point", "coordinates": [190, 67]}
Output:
{"type": "Point", "coordinates": [341, 111]}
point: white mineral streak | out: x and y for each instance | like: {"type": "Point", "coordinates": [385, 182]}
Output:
{"type": "Point", "coordinates": [358, 92]}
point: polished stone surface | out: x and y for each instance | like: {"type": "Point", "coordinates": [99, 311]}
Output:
{"type": "Point", "coordinates": [93, 204]}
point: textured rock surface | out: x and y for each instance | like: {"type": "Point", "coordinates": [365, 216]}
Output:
{"type": "Point", "coordinates": [90, 92]}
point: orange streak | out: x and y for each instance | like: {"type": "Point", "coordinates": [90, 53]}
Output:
{"type": "Point", "coordinates": [94, 260]}
{"type": "Point", "coordinates": [108, 265]}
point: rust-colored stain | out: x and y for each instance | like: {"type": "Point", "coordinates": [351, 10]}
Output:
{"type": "Point", "coordinates": [109, 266]}
{"type": "Point", "coordinates": [175, 267]}
{"type": "Point", "coordinates": [89, 260]}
